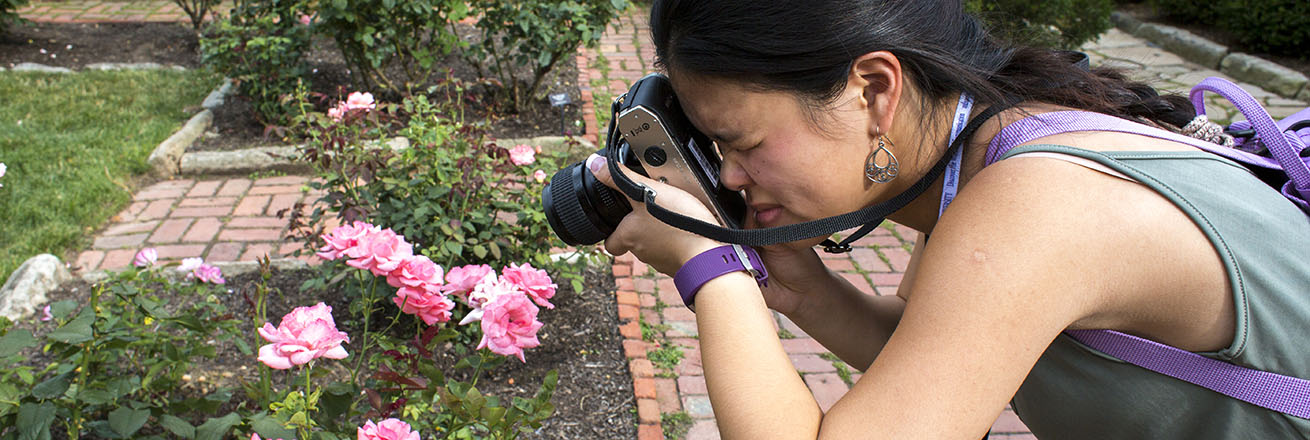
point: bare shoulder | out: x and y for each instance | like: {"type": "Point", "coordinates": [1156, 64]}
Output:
{"type": "Point", "coordinates": [1134, 259]}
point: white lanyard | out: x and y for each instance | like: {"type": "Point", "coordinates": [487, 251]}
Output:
{"type": "Point", "coordinates": [951, 184]}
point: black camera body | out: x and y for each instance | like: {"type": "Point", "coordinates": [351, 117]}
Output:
{"type": "Point", "coordinates": [651, 135]}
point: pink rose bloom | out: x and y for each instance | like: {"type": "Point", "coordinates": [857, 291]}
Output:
{"type": "Point", "coordinates": [389, 429]}
{"type": "Point", "coordinates": [336, 113]}
{"type": "Point", "coordinates": [305, 334]}
{"type": "Point", "coordinates": [3, 168]}
{"type": "Point", "coordinates": [305, 19]}
{"type": "Point", "coordinates": [417, 271]}
{"type": "Point", "coordinates": [45, 314]}
{"type": "Point", "coordinates": [539, 175]}
{"type": "Point", "coordinates": [490, 288]}
{"type": "Point", "coordinates": [146, 257]}
{"type": "Point", "coordinates": [460, 281]}
{"type": "Point", "coordinates": [343, 238]}
{"type": "Point", "coordinates": [255, 436]}
{"type": "Point", "coordinates": [208, 274]}
{"type": "Point", "coordinates": [509, 325]}
{"type": "Point", "coordinates": [190, 264]}
{"type": "Point", "coordinates": [360, 100]}
{"type": "Point", "coordinates": [380, 252]}
{"type": "Point", "coordinates": [522, 155]}
{"type": "Point", "coordinates": [429, 305]}
{"type": "Point", "coordinates": [535, 282]}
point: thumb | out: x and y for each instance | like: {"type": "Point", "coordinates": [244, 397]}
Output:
{"type": "Point", "coordinates": [599, 167]}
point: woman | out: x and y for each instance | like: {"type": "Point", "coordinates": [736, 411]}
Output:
{"type": "Point", "coordinates": [811, 105]}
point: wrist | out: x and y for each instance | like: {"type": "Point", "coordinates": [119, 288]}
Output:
{"type": "Point", "coordinates": [714, 263]}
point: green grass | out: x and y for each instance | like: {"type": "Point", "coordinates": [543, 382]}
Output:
{"type": "Point", "coordinates": [675, 425]}
{"type": "Point", "coordinates": [81, 144]}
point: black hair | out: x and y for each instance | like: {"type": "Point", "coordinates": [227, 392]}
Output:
{"type": "Point", "coordinates": [807, 48]}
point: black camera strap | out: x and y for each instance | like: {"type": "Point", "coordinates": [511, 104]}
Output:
{"type": "Point", "coordinates": [867, 218]}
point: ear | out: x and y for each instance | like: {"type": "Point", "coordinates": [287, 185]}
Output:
{"type": "Point", "coordinates": [877, 77]}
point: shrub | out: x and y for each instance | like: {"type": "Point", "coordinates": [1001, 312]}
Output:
{"type": "Point", "coordinates": [1063, 24]}
{"type": "Point", "coordinates": [376, 36]}
{"type": "Point", "coordinates": [7, 14]}
{"type": "Point", "coordinates": [1275, 26]}
{"type": "Point", "coordinates": [261, 46]}
{"type": "Point", "coordinates": [196, 10]}
{"type": "Point", "coordinates": [521, 41]}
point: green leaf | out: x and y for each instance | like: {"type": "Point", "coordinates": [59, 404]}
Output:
{"type": "Point", "coordinates": [34, 421]}
{"type": "Point", "coordinates": [61, 309]}
{"type": "Point", "coordinates": [126, 422]}
{"type": "Point", "coordinates": [15, 341]}
{"type": "Point", "coordinates": [178, 426]}
{"type": "Point", "coordinates": [217, 428]}
{"type": "Point", "coordinates": [269, 427]}
{"type": "Point", "coordinates": [51, 388]}
{"type": "Point", "coordinates": [339, 4]}
{"type": "Point", "coordinates": [480, 251]}
{"type": "Point", "coordinates": [76, 331]}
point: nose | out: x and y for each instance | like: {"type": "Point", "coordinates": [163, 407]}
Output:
{"type": "Point", "coordinates": [732, 174]}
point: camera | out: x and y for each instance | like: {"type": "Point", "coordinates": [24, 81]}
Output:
{"type": "Point", "coordinates": [652, 136]}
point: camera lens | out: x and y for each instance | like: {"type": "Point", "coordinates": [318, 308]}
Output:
{"type": "Point", "coordinates": [580, 209]}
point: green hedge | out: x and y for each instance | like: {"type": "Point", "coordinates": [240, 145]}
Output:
{"type": "Point", "coordinates": [1279, 27]}
{"type": "Point", "coordinates": [1064, 24]}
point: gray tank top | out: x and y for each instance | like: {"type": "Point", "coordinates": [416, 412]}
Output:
{"type": "Point", "coordinates": [1075, 392]}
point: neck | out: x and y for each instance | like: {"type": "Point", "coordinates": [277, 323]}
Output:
{"type": "Point", "coordinates": [921, 214]}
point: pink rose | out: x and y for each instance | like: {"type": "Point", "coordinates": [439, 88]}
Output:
{"type": "Point", "coordinates": [45, 314]}
{"type": "Point", "coordinates": [535, 282]}
{"type": "Point", "coordinates": [389, 429]}
{"type": "Point", "coordinates": [146, 257]}
{"type": "Point", "coordinates": [380, 252]}
{"type": "Point", "coordinates": [255, 436]}
{"type": "Point", "coordinates": [522, 155]}
{"type": "Point", "coordinates": [208, 274]}
{"type": "Point", "coordinates": [343, 238]}
{"type": "Point", "coordinates": [3, 168]}
{"type": "Point", "coordinates": [360, 100]}
{"type": "Point", "coordinates": [190, 264]}
{"type": "Point", "coordinates": [306, 19]}
{"type": "Point", "coordinates": [336, 113]}
{"type": "Point", "coordinates": [429, 305]}
{"type": "Point", "coordinates": [460, 281]}
{"type": "Point", "coordinates": [509, 325]}
{"type": "Point", "coordinates": [417, 271]}
{"type": "Point", "coordinates": [539, 175]}
{"type": "Point", "coordinates": [305, 334]}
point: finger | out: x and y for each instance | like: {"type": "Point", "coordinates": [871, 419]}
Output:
{"type": "Point", "coordinates": [599, 166]}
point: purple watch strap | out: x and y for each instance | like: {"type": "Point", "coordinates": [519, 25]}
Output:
{"type": "Point", "coordinates": [715, 263]}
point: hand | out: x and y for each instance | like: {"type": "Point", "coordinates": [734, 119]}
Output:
{"type": "Point", "coordinates": [663, 247]}
{"type": "Point", "coordinates": [796, 274]}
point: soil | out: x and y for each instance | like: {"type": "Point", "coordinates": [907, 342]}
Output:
{"type": "Point", "coordinates": [235, 123]}
{"type": "Point", "coordinates": [1146, 13]}
{"type": "Point", "coordinates": [580, 340]}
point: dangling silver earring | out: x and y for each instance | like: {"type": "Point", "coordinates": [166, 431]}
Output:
{"type": "Point", "coordinates": [882, 173]}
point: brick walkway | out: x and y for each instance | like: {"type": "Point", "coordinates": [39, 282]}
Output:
{"type": "Point", "coordinates": [221, 220]}
{"type": "Point", "coordinates": [104, 12]}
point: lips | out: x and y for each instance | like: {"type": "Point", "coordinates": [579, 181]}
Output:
{"type": "Point", "coordinates": [765, 214]}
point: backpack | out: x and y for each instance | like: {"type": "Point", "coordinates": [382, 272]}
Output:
{"type": "Point", "coordinates": [1276, 153]}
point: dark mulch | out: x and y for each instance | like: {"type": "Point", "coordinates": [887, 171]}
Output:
{"type": "Point", "coordinates": [580, 340]}
{"type": "Point", "coordinates": [76, 45]}
{"type": "Point", "coordinates": [1145, 12]}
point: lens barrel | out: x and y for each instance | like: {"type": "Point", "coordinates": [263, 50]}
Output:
{"type": "Point", "coordinates": [580, 209]}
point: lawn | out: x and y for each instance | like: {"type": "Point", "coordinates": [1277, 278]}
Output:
{"type": "Point", "coordinates": [75, 146]}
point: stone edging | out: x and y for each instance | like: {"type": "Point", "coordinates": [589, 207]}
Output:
{"type": "Point", "coordinates": [1267, 75]}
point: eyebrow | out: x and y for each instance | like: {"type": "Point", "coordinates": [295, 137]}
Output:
{"type": "Point", "coordinates": [725, 138]}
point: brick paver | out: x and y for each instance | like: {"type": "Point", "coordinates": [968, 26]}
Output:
{"type": "Point", "coordinates": [187, 218]}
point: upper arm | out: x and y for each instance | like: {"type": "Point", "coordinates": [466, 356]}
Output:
{"type": "Point", "coordinates": [912, 268]}
{"type": "Point", "coordinates": [1008, 270]}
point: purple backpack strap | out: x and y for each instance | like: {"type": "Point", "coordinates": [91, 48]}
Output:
{"type": "Point", "coordinates": [1285, 394]}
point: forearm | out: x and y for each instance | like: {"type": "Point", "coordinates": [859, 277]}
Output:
{"type": "Point", "coordinates": [849, 323]}
{"type": "Point", "coordinates": [753, 386]}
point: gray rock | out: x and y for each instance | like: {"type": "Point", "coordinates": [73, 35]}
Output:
{"type": "Point", "coordinates": [218, 96]}
{"type": "Point", "coordinates": [1125, 22]}
{"type": "Point", "coordinates": [1269, 76]}
{"type": "Point", "coordinates": [25, 291]}
{"type": "Point", "coordinates": [1185, 44]}
{"type": "Point", "coordinates": [167, 157]}
{"type": "Point", "coordinates": [1304, 95]}
{"type": "Point", "coordinates": [125, 66]}
{"type": "Point", "coordinates": [34, 67]}
{"type": "Point", "coordinates": [243, 161]}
